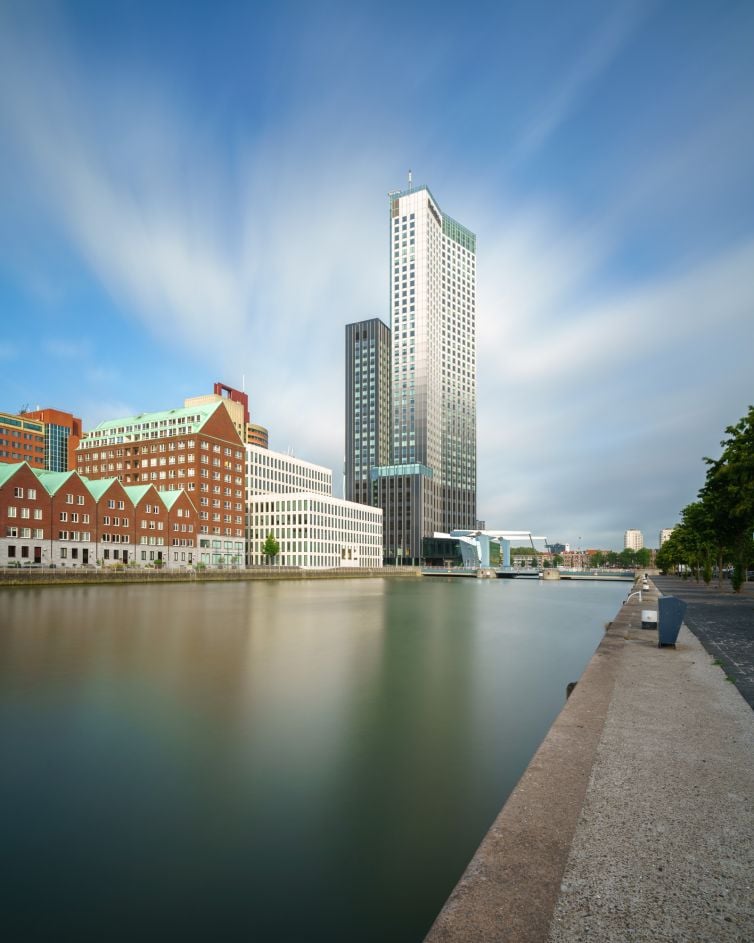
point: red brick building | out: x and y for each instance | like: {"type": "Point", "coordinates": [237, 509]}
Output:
{"type": "Point", "coordinates": [74, 518]}
{"type": "Point", "coordinates": [21, 440]}
{"type": "Point", "coordinates": [25, 516]}
{"type": "Point", "coordinates": [196, 449]}
{"type": "Point", "coordinates": [62, 519]}
{"type": "Point", "coordinates": [62, 432]}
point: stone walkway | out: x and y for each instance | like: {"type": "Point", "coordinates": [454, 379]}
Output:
{"type": "Point", "coordinates": [723, 621]}
{"type": "Point", "coordinates": [635, 819]}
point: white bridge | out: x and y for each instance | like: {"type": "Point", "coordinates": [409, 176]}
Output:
{"type": "Point", "coordinates": [475, 544]}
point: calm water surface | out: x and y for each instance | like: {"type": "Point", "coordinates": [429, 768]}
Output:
{"type": "Point", "coordinates": [269, 761]}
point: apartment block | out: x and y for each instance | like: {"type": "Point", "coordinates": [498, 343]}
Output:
{"type": "Point", "coordinates": [196, 449]}
{"type": "Point", "coordinates": [22, 440]}
{"type": "Point", "coordinates": [633, 540]}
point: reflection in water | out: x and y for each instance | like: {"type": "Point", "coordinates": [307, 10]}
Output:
{"type": "Point", "coordinates": [275, 761]}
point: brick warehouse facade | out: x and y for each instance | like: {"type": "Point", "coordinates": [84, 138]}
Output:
{"type": "Point", "coordinates": [62, 519]}
{"type": "Point", "coordinates": [196, 449]}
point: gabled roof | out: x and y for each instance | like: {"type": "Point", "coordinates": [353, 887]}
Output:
{"type": "Point", "coordinates": [136, 492]}
{"type": "Point", "coordinates": [188, 418]}
{"type": "Point", "coordinates": [52, 481]}
{"type": "Point", "coordinates": [170, 497]}
{"type": "Point", "coordinates": [98, 487]}
{"type": "Point", "coordinates": [9, 470]}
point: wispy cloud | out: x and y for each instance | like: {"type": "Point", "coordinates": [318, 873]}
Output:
{"type": "Point", "coordinates": [64, 349]}
{"type": "Point", "coordinates": [574, 81]}
{"type": "Point", "coordinates": [247, 255]}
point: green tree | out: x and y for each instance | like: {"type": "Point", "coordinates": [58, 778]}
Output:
{"type": "Point", "coordinates": [597, 559]}
{"type": "Point", "coordinates": [728, 496]}
{"type": "Point", "coordinates": [627, 558]}
{"type": "Point", "coordinates": [611, 558]}
{"type": "Point", "coordinates": [557, 560]}
{"type": "Point", "coordinates": [271, 547]}
{"type": "Point", "coordinates": [643, 557]}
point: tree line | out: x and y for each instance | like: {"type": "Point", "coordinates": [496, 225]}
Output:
{"type": "Point", "coordinates": [716, 531]}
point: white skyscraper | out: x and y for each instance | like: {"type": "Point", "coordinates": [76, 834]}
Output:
{"type": "Point", "coordinates": [430, 483]}
{"type": "Point", "coordinates": [433, 321]}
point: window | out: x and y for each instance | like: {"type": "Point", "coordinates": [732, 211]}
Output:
{"type": "Point", "coordinates": [31, 493]}
{"type": "Point", "coordinates": [69, 499]}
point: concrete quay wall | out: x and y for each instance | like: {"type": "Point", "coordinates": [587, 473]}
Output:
{"type": "Point", "coordinates": [79, 576]}
{"type": "Point", "coordinates": [634, 819]}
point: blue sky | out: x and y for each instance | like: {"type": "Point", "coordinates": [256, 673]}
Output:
{"type": "Point", "coordinates": [197, 192]}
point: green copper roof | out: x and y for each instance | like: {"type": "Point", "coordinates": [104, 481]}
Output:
{"type": "Point", "coordinates": [97, 488]}
{"type": "Point", "coordinates": [136, 492]}
{"type": "Point", "coordinates": [170, 497]}
{"type": "Point", "coordinates": [7, 471]}
{"type": "Point", "coordinates": [190, 418]}
{"type": "Point", "coordinates": [52, 481]}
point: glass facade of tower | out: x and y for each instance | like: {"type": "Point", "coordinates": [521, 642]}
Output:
{"type": "Point", "coordinates": [56, 447]}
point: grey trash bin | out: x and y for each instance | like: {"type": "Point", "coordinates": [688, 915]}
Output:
{"type": "Point", "coordinates": [669, 618]}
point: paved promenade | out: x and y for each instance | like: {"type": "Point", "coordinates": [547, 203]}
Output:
{"type": "Point", "coordinates": [723, 621]}
{"type": "Point", "coordinates": [635, 819]}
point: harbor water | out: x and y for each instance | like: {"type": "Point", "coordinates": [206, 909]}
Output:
{"type": "Point", "coordinates": [312, 761]}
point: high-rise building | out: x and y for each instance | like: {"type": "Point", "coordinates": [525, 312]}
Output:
{"type": "Point", "coordinates": [429, 485]}
{"type": "Point", "coordinates": [633, 540]}
{"type": "Point", "coordinates": [367, 405]}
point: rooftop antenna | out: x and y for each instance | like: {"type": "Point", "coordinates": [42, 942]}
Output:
{"type": "Point", "coordinates": [410, 178]}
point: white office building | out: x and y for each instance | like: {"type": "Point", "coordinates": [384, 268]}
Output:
{"type": "Point", "coordinates": [270, 472]}
{"type": "Point", "coordinates": [293, 500]}
{"type": "Point", "coordinates": [633, 540]}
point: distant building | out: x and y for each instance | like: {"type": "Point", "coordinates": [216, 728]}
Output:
{"type": "Point", "coordinates": [22, 440]}
{"type": "Point", "coordinates": [665, 535]}
{"type": "Point", "coordinates": [45, 438]}
{"type": "Point", "coordinates": [237, 404]}
{"type": "Point", "coordinates": [633, 540]}
{"type": "Point", "coordinates": [62, 435]}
